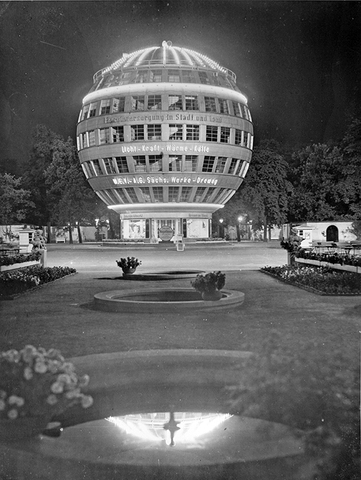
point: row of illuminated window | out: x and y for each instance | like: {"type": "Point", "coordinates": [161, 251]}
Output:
{"type": "Point", "coordinates": [158, 163]}
{"type": "Point", "coordinates": [164, 132]}
{"type": "Point", "coordinates": [127, 195]}
{"type": "Point", "coordinates": [173, 102]}
{"type": "Point", "coordinates": [164, 75]}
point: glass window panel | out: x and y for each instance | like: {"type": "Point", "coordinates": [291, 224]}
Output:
{"type": "Point", "coordinates": [191, 163]}
{"type": "Point", "coordinates": [92, 110]}
{"type": "Point", "coordinates": [141, 76]}
{"type": "Point", "coordinates": [173, 193]}
{"type": "Point", "coordinates": [85, 112]}
{"type": "Point", "coordinates": [191, 102]}
{"type": "Point", "coordinates": [97, 169]}
{"type": "Point", "coordinates": [117, 134]}
{"type": "Point", "coordinates": [155, 163]}
{"type": "Point", "coordinates": [210, 104]}
{"type": "Point", "coordinates": [233, 165]}
{"type": "Point", "coordinates": [208, 164]}
{"type": "Point", "coordinates": [173, 76]}
{"type": "Point", "coordinates": [203, 77]}
{"type": "Point", "coordinates": [137, 102]}
{"type": "Point", "coordinates": [225, 134]}
{"type": "Point", "coordinates": [137, 132]}
{"type": "Point", "coordinates": [109, 167]}
{"type": "Point", "coordinates": [140, 163]}
{"type": "Point", "coordinates": [223, 106]}
{"type": "Point", "coordinates": [154, 102]}
{"type": "Point", "coordinates": [211, 134]}
{"type": "Point", "coordinates": [237, 109]}
{"type": "Point", "coordinates": [192, 132]}
{"type": "Point", "coordinates": [120, 193]}
{"type": "Point", "coordinates": [133, 196]}
{"type": "Point", "coordinates": [199, 193]}
{"type": "Point", "coordinates": [145, 194]}
{"type": "Point", "coordinates": [209, 194]}
{"type": "Point", "coordinates": [158, 194]}
{"type": "Point", "coordinates": [118, 104]}
{"type": "Point", "coordinates": [175, 102]}
{"type": "Point", "coordinates": [156, 75]}
{"type": "Point", "coordinates": [154, 132]}
{"type": "Point", "coordinates": [175, 132]}
{"type": "Point", "coordinates": [245, 139]}
{"type": "Point", "coordinates": [105, 106]}
{"type": "Point", "coordinates": [238, 137]}
{"type": "Point", "coordinates": [104, 136]}
{"type": "Point", "coordinates": [122, 164]}
{"type": "Point", "coordinates": [175, 163]}
{"type": "Point", "coordinates": [84, 139]}
{"type": "Point", "coordinates": [91, 138]}
{"type": "Point", "coordinates": [221, 163]}
{"type": "Point", "coordinates": [185, 194]}
{"type": "Point", "coordinates": [91, 170]}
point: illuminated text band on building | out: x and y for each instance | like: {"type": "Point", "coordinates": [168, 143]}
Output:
{"type": "Point", "coordinates": [158, 179]}
{"type": "Point", "coordinates": [163, 117]}
{"type": "Point", "coordinates": [168, 147]}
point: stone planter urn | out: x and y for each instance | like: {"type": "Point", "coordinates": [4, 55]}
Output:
{"type": "Point", "coordinates": [212, 296]}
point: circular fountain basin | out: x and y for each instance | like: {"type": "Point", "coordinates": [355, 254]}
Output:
{"type": "Point", "coordinates": [163, 300]}
{"type": "Point", "coordinates": [169, 275]}
{"type": "Point", "coordinates": [129, 383]}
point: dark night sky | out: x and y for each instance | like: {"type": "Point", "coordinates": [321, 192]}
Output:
{"type": "Point", "coordinates": [299, 63]}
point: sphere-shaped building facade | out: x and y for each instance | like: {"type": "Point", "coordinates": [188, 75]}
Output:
{"type": "Point", "coordinates": [165, 139]}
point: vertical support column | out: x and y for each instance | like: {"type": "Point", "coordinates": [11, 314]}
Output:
{"type": "Point", "coordinates": [184, 227]}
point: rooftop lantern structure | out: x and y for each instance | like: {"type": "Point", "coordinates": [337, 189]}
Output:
{"type": "Point", "coordinates": [165, 139]}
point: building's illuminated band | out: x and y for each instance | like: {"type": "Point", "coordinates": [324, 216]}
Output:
{"type": "Point", "coordinates": [165, 139]}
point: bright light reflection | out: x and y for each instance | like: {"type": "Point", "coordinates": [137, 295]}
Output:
{"type": "Point", "coordinates": [149, 426]}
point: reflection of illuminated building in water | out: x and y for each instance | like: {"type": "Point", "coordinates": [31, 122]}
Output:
{"type": "Point", "coordinates": [150, 426]}
{"type": "Point", "coordinates": [165, 139]}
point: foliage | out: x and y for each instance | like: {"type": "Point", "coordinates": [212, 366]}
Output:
{"type": "Point", "coordinates": [333, 258]}
{"type": "Point", "coordinates": [128, 263]}
{"type": "Point", "coordinates": [322, 279]}
{"type": "Point", "coordinates": [23, 279]}
{"type": "Point", "coordinates": [36, 382]}
{"type": "Point", "coordinates": [314, 391]}
{"type": "Point", "coordinates": [71, 198]}
{"type": "Point", "coordinates": [14, 200]}
{"type": "Point", "coordinates": [209, 282]}
{"type": "Point", "coordinates": [265, 192]}
{"type": "Point", "coordinates": [20, 258]}
{"type": "Point", "coordinates": [44, 143]}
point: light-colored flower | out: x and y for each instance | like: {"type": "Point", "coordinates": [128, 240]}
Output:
{"type": "Point", "coordinates": [40, 367]}
{"type": "Point", "coordinates": [3, 394]}
{"type": "Point", "coordinates": [73, 393]}
{"type": "Point", "coordinates": [28, 353]}
{"type": "Point", "coordinates": [86, 401]}
{"type": "Point", "coordinates": [52, 400]}
{"type": "Point", "coordinates": [15, 400]}
{"type": "Point", "coordinates": [57, 387]}
{"type": "Point", "coordinates": [12, 414]}
{"type": "Point", "coordinates": [28, 373]}
{"type": "Point", "coordinates": [84, 381]}
{"type": "Point", "coordinates": [2, 405]}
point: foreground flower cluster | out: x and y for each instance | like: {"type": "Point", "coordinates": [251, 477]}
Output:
{"type": "Point", "coordinates": [323, 279]}
{"type": "Point", "coordinates": [35, 382]}
{"type": "Point", "coordinates": [17, 281]}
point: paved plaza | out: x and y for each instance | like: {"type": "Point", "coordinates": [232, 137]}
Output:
{"type": "Point", "coordinates": [62, 314]}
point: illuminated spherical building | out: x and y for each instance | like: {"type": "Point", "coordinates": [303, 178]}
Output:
{"type": "Point", "coordinates": [165, 139]}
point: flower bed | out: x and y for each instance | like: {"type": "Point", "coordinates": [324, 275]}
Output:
{"type": "Point", "coordinates": [6, 260]}
{"type": "Point", "coordinates": [20, 281]}
{"type": "Point", "coordinates": [333, 258]}
{"type": "Point", "coordinates": [322, 280]}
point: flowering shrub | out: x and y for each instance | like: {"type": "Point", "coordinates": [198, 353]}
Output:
{"type": "Point", "coordinates": [36, 382]}
{"type": "Point", "coordinates": [323, 279]}
{"type": "Point", "coordinates": [334, 258]}
{"type": "Point", "coordinates": [21, 258]}
{"type": "Point", "coordinates": [128, 263]}
{"type": "Point", "coordinates": [209, 282]}
{"type": "Point", "coordinates": [17, 281]}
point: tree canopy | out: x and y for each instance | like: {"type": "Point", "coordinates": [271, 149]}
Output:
{"type": "Point", "coordinates": [14, 200]}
